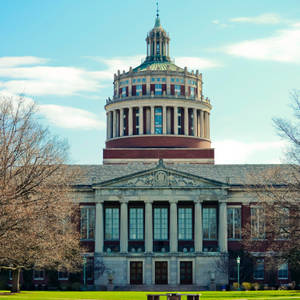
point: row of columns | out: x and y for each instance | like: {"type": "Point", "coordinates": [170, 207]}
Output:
{"type": "Point", "coordinates": [198, 238]}
{"type": "Point", "coordinates": [200, 125]}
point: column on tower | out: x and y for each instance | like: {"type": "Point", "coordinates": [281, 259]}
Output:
{"type": "Point", "coordinates": [164, 112]}
{"type": "Point", "coordinates": [195, 121]}
{"type": "Point", "coordinates": [124, 227]}
{"type": "Point", "coordinates": [175, 112]}
{"type": "Point", "coordinates": [109, 133]}
{"type": "Point", "coordinates": [186, 121]}
{"type": "Point", "coordinates": [152, 119]}
{"type": "Point", "coordinates": [148, 227]}
{"type": "Point", "coordinates": [208, 125]}
{"type": "Point", "coordinates": [141, 124]}
{"type": "Point", "coordinates": [201, 123]}
{"type": "Point", "coordinates": [121, 121]}
{"type": "Point", "coordinates": [114, 123]}
{"type": "Point", "coordinates": [222, 238]}
{"type": "Point", "coordinates": [130, 119]}
{"type": "Point", "coordinates": [173, 227]}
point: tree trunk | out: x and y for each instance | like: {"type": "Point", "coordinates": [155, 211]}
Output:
{"type": "Point", "coordinates": [15, 288]}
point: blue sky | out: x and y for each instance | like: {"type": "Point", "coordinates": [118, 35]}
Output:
{"type": "Point", "coordinates": [63, 54]}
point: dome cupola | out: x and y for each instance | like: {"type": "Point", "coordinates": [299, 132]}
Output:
{"type": "Point", "coordinates": [158, 110]}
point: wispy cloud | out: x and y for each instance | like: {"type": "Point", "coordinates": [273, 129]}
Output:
{"type": "Point", "coordinates": [268, 18]}
{"type": "Point", "coordinates": [12, 61]}
{"type": "Point", "coordinates": [236, 152]}
{"type": "Point", "coordinates": [70, 117]}
{"type": "Point", "coordinates": [283, 46]}
{"type": "Point", "coordinates": [196, 63]}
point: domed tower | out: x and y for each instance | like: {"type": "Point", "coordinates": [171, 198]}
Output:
{"type": "Point", "coordinates": [158, 111]}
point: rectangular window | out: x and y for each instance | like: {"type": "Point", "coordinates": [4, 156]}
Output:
{"type": "Point", "coordinates": [283, 271]}
{"type": "Point", "coordinates": [257, 223]}
{"type": "Point", "coordinates": [158, 120]}
{"type": "Point", "coordinates": [63, 275]}
{"type": "Point", "coordinates": [124, 92]}
{"type": "Point", "coordinates": [158, 79]}
{"type": "Point", "coordinates": [177, 90]}
{"type": "Point", "coordinates": [38, 274]}
{"type": "Point", "coordinates": [139, 80]}
{"type": "Point", "coordinates": [284, 223]}
{"type": "Point", "coordinates": [259, 269]}
{"type": "Point", "coordinates": [185, 223]}
{"type": "Point", "coordinates": [158, 89]}
{"type": "Point", "coordinates": [192, 92]}
{"type": "Point", "coordinates": [209, 223]}
{"type": "Point", "coordinates": [112, 223]}
{"type": "Point", "coordinates": [144, 80]}
{"type": "Point", "coordinates": [136, 223]}
{"type": "Point", "coordinates": [139, 90]}
{"type": "Point", "coordinates": [136, 272]}
{"type": "Point", "coordinates": [172, 79]}
{"type": "Point", "coordinates": [186, 272]}
{"type": "Point", "coordinates": [89, 268]}
{"type": "Point", "coordinates": [153, 79]}
{"type": "Point", "coordinates": [133, 80]}
{"type": "Point", "coordinates": [234, 223]}
{"type": "Point", "coordinates": [160, 223]}
{"type": "Point", "coordinates": [163, 79]}
{"type": "Point", "coordinates": [87, 223]}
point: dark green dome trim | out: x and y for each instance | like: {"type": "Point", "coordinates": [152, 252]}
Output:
{"type": "Point", "coordinates": [157, 66]}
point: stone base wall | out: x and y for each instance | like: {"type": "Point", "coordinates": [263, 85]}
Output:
{"type": "Point", "coordinates": [116, 270]}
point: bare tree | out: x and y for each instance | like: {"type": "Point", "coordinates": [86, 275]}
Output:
{"type": "Point", "coordinates": [37, 228]}
{"type": "Point", "coordinates": [275, 229]}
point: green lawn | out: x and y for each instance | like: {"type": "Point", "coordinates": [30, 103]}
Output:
{"type": "Point", "coordinates": [142, 295]}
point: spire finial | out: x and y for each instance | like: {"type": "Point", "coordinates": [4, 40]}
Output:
{"type": "Point", "coordinates": [157, 21]}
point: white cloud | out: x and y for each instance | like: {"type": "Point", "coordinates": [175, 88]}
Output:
{"type": "Point", "coordinates": [235, 152]}
{"type": "Point", "coordinates": [283, 46]}
{"type": "Point", "coordinates": [70, 117]}
{"type": "Point", "coordinates": [196, 63]}
{"type": "Point", "coordinates": [268, 18]}
{"type": "Point", "coordinates": [12, 61]}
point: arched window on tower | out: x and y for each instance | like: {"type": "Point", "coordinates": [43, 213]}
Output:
{"type": "Point", "coordinates": [157, 48]}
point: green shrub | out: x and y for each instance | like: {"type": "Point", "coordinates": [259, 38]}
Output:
{"type": "Point", "coordinates": [256, 286]}
{"type": "Point", "coordinates": [64, 286]}
{"type": "Point", "coordinates": [235, 286]}
{"type": "Point", "coordinates": [246, 286]}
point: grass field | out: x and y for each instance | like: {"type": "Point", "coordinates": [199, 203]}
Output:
{"type": "Point", "coordinates": [142, 295]}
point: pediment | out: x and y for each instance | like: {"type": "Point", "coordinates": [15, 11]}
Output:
{"type": "Point", "coordinates": [162, 177]}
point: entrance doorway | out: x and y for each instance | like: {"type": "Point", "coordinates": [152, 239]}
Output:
{"type": "Point", "coordinates": [186, 272]}
{"type": "Point", "coordinates": [161, 272]}
{"type": "Point", "coordinates": [136, 272]}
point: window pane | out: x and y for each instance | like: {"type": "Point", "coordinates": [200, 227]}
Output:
{"type": "Point", "coordinates": [185, 224]}
{"type": "Point", "coordinates": [160, 224]}
{"type": "Point", "coordinates": [112, 223]}
{"type": "Point", "coordinates": [87, 222]}
{"type": "Point", "coordinates": [209, 223]}
{"type": "Point", "coordinates": [136, 223]}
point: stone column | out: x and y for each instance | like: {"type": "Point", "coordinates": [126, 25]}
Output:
{"type": "Point", "coordinates": [108, 125]}
{"type": "Point", "coordinates": [198, 226]}
{"type": "Point", "coordinates": [130, 119]}
{"type": "Point", "coordinates": [175, 120]}
{"type": "Point", "coordinates": [121, 121]}
{"type": "Point", "coordinates": [168, 85]}
{"type": "Point", "coordinates": [141, 113]}
{"type": "Point", "coordinates": [99, 232]}
{"type": "Point", "coordinates": [124, 227]}
{"type": "Point", "coordinates": [152, 119]}
{"type": "Point", "coordinates": [208, 125]}
{"type": "Point", "coordinates": [201, 123]}
{"type": "Point", "coordinates": [164, 119]}
{"type": "Point", "coordinates": [148, 227]}
{"type": "Point", "coordinates": [195, 121]}
{"type": "Point", "coordinates": [222, 234]}
{"type": "Point", "coordinates": [186, 121]}
{"type": "Point", "coordinates": [114, 123]}
{"type": "Point", "coordinates": [173, 227]}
